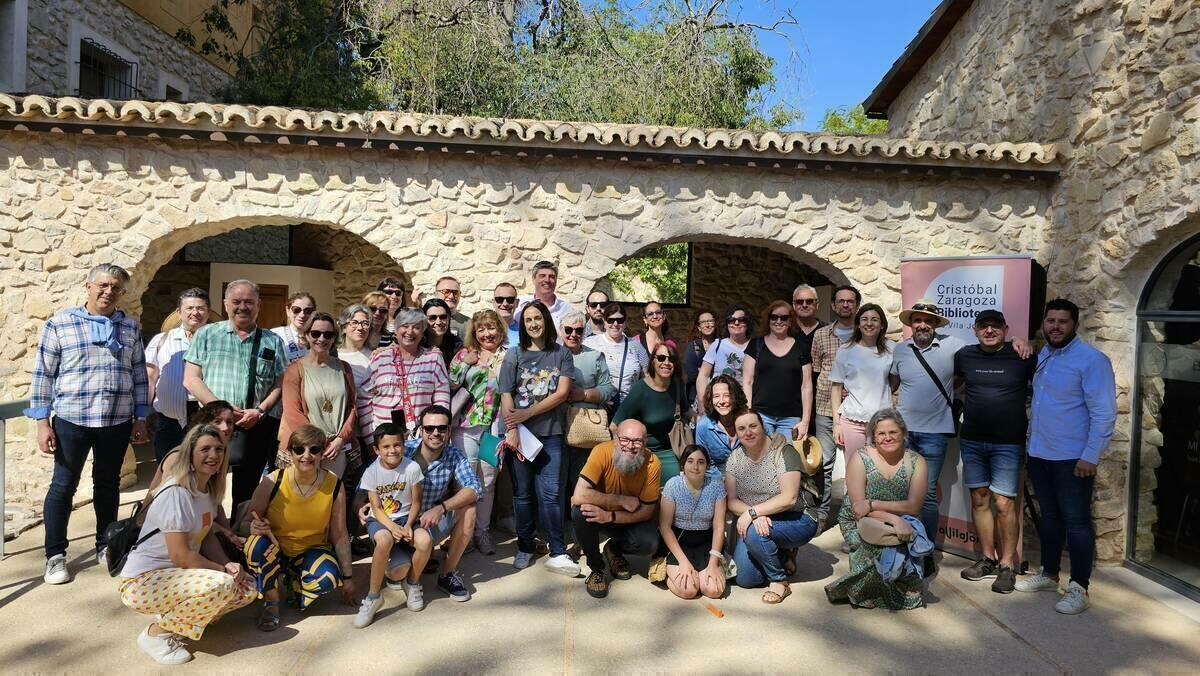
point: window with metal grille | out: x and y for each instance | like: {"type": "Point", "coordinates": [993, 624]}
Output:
{"type": "Point", "coordinates": [104, 74]}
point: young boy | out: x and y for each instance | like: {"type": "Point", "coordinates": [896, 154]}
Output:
{"type": "Point", "coordinates": [393, 485]}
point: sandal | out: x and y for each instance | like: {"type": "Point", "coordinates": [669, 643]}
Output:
{"type": "Point", "coordinates": [772, 598]}
{"type": "Point", "coordinates": [268, 619]}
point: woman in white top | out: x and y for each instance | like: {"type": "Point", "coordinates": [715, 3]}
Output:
{"type": "Point", "coordinates": [727, 355]}
{"type": "Point", "coordinates": [627, 359]}
{"type": "Point", "coordinates": [300, 306]}
{"type": "Point", "coordinates": [859, 378]}
{"type": "Point", "coordinates": [179, 572]}
{"type": "Point", "coordinates": [354, 351]}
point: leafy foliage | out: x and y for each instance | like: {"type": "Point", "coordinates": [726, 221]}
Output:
{"type": "Point", "coordinates": [664, 269]}
{"type": "Point", "coordinates": [852, 122]}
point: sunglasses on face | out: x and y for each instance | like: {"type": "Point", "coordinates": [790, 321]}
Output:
{"type": "Point", "coordinates": [302, 310]}
{"type": "Point", "coordinates": [449, 293]}
{"type": "Point", "coordinates": [505, 300]}
{"type": "Point", "coordinates": [614, 320]}
{"type": "Point", "coordinates": [654, 314]}
{"type": "Point", "coordinates": [327, 335]}
{"type": "Point", "coordinates": [780, 318]}
{"type": "Point", "coordinates": [435, 429]}
{"type": "Point", "coordinates": [301, 450]}
{"type": "Point", "coordinates": [359, 324]}
{"type": "Point", "coordinates": [572, 331]}
{"type": "Point", "coordinates": [378, 310]}
{"type": "Point", "coordinates": [596, 306]}
{"type": "Point", "coordinates": [393, 292]}
{"type": "Point", "coordinates": [663, 359]}
{"type": "Point", "coordinates": [805, 301]}
{"type": "Point", "coordinates": [736, 320]}
{"type": "Point", "coordinates": [437, 318]}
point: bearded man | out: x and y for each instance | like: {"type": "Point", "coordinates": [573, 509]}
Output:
{"type": "Point", "coordinates": [615, 497]}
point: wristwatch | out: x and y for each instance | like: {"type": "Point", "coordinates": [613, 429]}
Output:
{"type": "Point", "coordinates": [753, 514]}
{"type": "Point", "coordinates": [260, 411]}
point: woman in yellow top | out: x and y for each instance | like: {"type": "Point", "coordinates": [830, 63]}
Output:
{"type": "Point", "coordinates": [295, 515]}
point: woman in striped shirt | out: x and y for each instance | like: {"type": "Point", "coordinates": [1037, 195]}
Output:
{"type": "Point", "coordinates": [406, 378]}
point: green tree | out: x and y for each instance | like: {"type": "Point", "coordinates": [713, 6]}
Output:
{"type": "Point", "coordinates": [665, 269]}
{"type": "Point", "coordinates": [851, 122]}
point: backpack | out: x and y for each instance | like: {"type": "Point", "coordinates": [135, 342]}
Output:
{"type": "Point", "coordinates": [124, 535]}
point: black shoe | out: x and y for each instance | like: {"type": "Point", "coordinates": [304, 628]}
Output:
{"type": "Point", "coordinates": [930, 567]}
{"type": "Point", "coordinates": [452, 584]}
{"type": "Point", "coordinates": [981, 570]}
{"type": "Point", "coordinates": [616, 563]}
{"type": "Point", "coordinates": [597, 584]}
{"type": "Point", "coordinates": [1006, 581]}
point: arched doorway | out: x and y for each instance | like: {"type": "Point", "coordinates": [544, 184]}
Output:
{"type": "Point", "coordinates": [1164, 494]}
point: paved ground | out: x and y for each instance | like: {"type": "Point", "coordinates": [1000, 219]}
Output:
{"type": "Point", "coordinates": [535, 622]}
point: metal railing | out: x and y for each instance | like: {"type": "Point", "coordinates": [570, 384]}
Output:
{"type": "Point", "coordinates": [10, 409]}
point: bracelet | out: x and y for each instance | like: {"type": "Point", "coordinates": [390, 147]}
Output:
{"type": "Point", "coordinates": [445, 510]}
{"type": "Point", "coordinates": [719, 555]}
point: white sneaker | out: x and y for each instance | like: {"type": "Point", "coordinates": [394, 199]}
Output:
{"type": "Point", "coordinates": [56, 570]}
{"type": "Point", "coordinates": [1075, 601]}
{"type": "Point", "coordinates": [102, 557]}
{"type": "Point", "coordinates": [165, 648]}
{"type": "Point", "coordinates": [522, 560]}
{"type": "Point", "coordinates": [562, 565]}
{"type": "Point", "coordinates": [394, 585]}
{"type": "Point", "coordinates": [366, 611]}
{"type": "Point", "coordinates": [1036, 583]}
{"type": "Point", "coordinates": [414, 595]}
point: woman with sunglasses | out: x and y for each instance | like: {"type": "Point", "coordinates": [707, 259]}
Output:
{"type": "Point", "coordinates": [777, 374]}
{"type": "Point", "coordinates": [627, 359]}
{"type": "Point", "coordinates": [300, 307]}
{"type": "Point", "coordinates": [652, 401]}
{"type": "Point", "coordinates": [591, 389]}
{"type": "Point", "coordinates": [318, 390]}
{"type": "Point", "coordinates": [297, 531]}
{"type": "Point", "coordinates": [701, 336]}
{"type": "Point", "coordinates": [727, 355]}
{"type": "Point", "coordinates": [438, 335]}
{"type": "Point", "coordinates": [392, 290]}
{"type": "Point", "coordinates": [377, 306]}
{"type": "Point", "coordinates": [658, 328]}
{"type": "Point", "coordinates": [535, 380]}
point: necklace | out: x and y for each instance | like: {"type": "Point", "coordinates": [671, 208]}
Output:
{"type": "Point", "coordinates": [323, 396]}
{"type": "Point", "coordinates": [311, 488]}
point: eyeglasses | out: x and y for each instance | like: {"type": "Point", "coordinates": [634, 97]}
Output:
{"type": "Point", "coordinates": [596, 306]}
{"type": "Point", "coordinates": [435, 429]}
{"type": "Point", "coordinates": [631, 441]}
{"type": "Point", "coordinates": [327, 335]}
{"type": "Point", "coordinates": [302, 310]}
{"type": "Point", "coordinates": [378, 310]}
{"type": "Point", "coordinates": [437, 318]}
{"type": "Point", "coordinates": [663, 359]}
{"type": "Point", "coordinates": [572, 331]}
{"type": "Point", "coordinates": [780, 318]}
{"type": "Point", "coordinates": [925, 307]}
{"type": "Point", "coordinates": [449, 293]}
{"type": "Point", "coordinates": [393, 292]}
{"type": "Point", "coordinates": [614, 320]}
{"type": "Point", "coordinates": [654, 314]}
{"type": "Point", "coordinates": [736, 320]}
{"type": "Point", "coordinates": [505, 300]}
{"type": "Point", "coordinates": [359, 323]}
{"type": "Point", "coordinates": [846, 301]}
{"type": "Point", "coordinates": [804, 301]}
{"type": "Point", "coordinates": [311, 450]}
{"type": "Point", "coordinates": [706, 322]}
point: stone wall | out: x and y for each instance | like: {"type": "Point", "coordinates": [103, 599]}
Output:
{"type": "Point", "coordinates": [1117, 84]}
{"type": "Point", "coordinates": [68, 202]}
{"type": "Point", "coordinates": [47, 70]}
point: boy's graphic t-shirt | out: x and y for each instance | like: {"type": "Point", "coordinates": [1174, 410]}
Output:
{"type": "Point", "coordinates": [394, 486]}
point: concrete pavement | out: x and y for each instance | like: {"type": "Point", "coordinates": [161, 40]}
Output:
{"type": "Point", "coordinates": [534, 622]}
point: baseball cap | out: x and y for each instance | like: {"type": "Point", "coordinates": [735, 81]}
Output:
{"type": "Point", "coordinates": [990, 317]}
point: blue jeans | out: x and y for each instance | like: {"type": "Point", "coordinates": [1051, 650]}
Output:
{"type": "Point", "coordinates": [932, 447]}
{"type": "Point", "coordinates": [537, 481]}
{"type": "Point", "coordinates": [783, 426]}
{"type": "Point", "coordinates": [1066, 504]}
{"type": "Point", "coordinates": [74, 443]}
{"type": "Point", "coordinates": [757, 557]}
{"type": "Point", "coordinates": [996, 467]}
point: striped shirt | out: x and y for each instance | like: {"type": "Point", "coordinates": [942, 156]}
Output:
{"type": "Point", "coordinates": [224, 361]}
{"type": "Point", "coordinates": [165, 352]}
{"type": "Point", "coordinates": [85, 383]}
{"type": "Point", "coordinates": [397, 384]}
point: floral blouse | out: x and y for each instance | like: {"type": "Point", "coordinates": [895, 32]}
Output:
{"type": "Point", "coordinates": [481, 380]}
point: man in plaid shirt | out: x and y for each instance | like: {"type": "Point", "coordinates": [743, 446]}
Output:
{"type": "Point", "coordinates": [825, 342]}
{"type": "Point", "coordinates": [448, 494]}
{"type": "Point", "coordinates": [90, 373]}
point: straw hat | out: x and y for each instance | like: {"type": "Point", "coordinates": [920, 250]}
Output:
{"type": "Point", "coordinates": [172, 321]}
{"type": "Point", "coordinates": [810, 454]}
{"type": "Point", "coordinates": [926, 307]}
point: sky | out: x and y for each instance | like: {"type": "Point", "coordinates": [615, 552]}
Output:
{"type": "Point", "coordinates": [843, 47]}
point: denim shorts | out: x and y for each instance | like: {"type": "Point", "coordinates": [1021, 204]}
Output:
{"type": "Point", "coordinates": [994, 466]}
{"type": "Point", "coordinates": [401, 552]}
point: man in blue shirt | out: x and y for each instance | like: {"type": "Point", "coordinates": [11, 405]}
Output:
{"type": "Point", "coordinates": [1074, 409]}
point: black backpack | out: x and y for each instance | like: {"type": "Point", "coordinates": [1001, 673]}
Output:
{"type": "Point", "coordinates": [122, 535]}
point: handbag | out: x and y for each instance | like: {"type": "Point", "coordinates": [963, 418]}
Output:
{"type": "Point", "coordinates": [877, 532]}
{"type": "Point", "coordinates": [954, 404]}
{"type": "Point", "coordinates": [124, 535]}
{"type": "Point", "coordinates": [459, 402]}
{"type": "Point", "coordinates": [683, 432]}
{"type": "Point", "coordinates": [587, 427]}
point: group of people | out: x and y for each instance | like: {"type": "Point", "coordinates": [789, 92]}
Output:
{"type": "Point", "coordinates": [385, 431]}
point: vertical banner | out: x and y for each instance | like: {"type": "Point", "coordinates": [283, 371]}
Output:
{"type": "Point", "coordinates": [962, 287]}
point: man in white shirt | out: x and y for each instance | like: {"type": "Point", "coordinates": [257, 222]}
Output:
{"type": "Point", "coordinates": [164, 370]}
{"type": "Point", "coordinates": [545, 281]}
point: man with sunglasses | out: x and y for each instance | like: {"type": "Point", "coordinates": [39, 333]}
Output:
{"type": "Point", "coordinates": [450, 291]}
{"type": "Point", "coordinates": [596, 301]}
{"type": "Point", "coordinates": [825, 343]}
{"type": "Point", "coordinates": [504, 299]}
{"type": "Point", "coordinates": [805, 302]}
{"type": "Point", "coordinates": [448, 496]}
{"type": "Point", "coordinates": [545, 283]}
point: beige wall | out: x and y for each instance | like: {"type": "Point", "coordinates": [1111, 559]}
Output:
{"type": "Point", "coordinates": [1117, 85]}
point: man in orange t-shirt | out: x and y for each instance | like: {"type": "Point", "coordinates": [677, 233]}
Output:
{"type": "Point", "coordinates": [616, 496]}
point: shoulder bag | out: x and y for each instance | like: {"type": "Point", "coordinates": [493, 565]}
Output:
{"type": "Point", "coordinates": [683, 432]}
{"type": "Point", "coordinates": [954, 405]}
{"type": "Point", "coordinates": [124, 535]}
